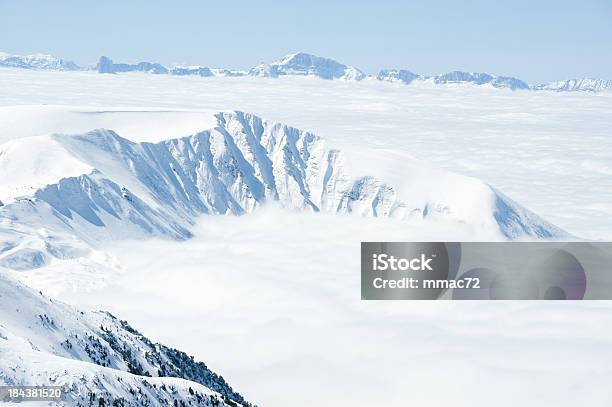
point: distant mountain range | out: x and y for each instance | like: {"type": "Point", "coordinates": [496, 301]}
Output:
{"type": "Point", "coordinates": [303, 64]}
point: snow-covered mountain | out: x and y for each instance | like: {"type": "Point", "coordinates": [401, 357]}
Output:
{"type": "Point", "coordinates": [407, 77]}
{"type": "Point", "coordinates": [98, 186]}
{"type": "Point", "coordinates": [398, 75]}
{"type": "Point", "coordinates": [37, 61]}
{"type": "Point", "coordinates": [191, 70]}
{"type": "Point", "coordinates": [577, 85]}
{"type": "Point", "coordinates": [304, 64]}
{"type": "Point", "coordinates": [223, 72]}
{"type": "Point", "coordinates": [106, 65]}
{"type": "Point", "coordinates": [96, 357]}
{"type": "Point", "coordinates": [264, 70]}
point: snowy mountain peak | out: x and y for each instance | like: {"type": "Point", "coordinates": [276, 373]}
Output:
{"type": "Point", "coordinates": [397, 75]}
{"type": "Point", "coordinates": [296, 56]}
{"type": "Point", "coordinates": [305, 64]}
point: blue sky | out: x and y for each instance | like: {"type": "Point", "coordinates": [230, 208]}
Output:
{"type": "Point", "coordinates": [534, 40]}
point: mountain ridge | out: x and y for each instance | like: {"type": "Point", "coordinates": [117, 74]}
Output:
{"type": "Point", "coordinates": [143, 190]}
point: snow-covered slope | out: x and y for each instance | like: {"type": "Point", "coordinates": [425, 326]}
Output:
{"type": "Point", "coordinates": [264, 70]}
{"type": "Point", "coordinates": [397, 75]}
{"type": "Point", "coordinates": [304, 64]}
{"type": "Point", "coordinates": [37, 61]}
{"type": "Point", "coordinates": [95, 356]}
{"type": "Point", "coordinates": [52, 163]}
{"type": "Point", "coordinates": [577, 85]}
{"type": "Point", "coordinates": [107, 187]}
{"type": "Point", "coordinates": [227, 73]}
